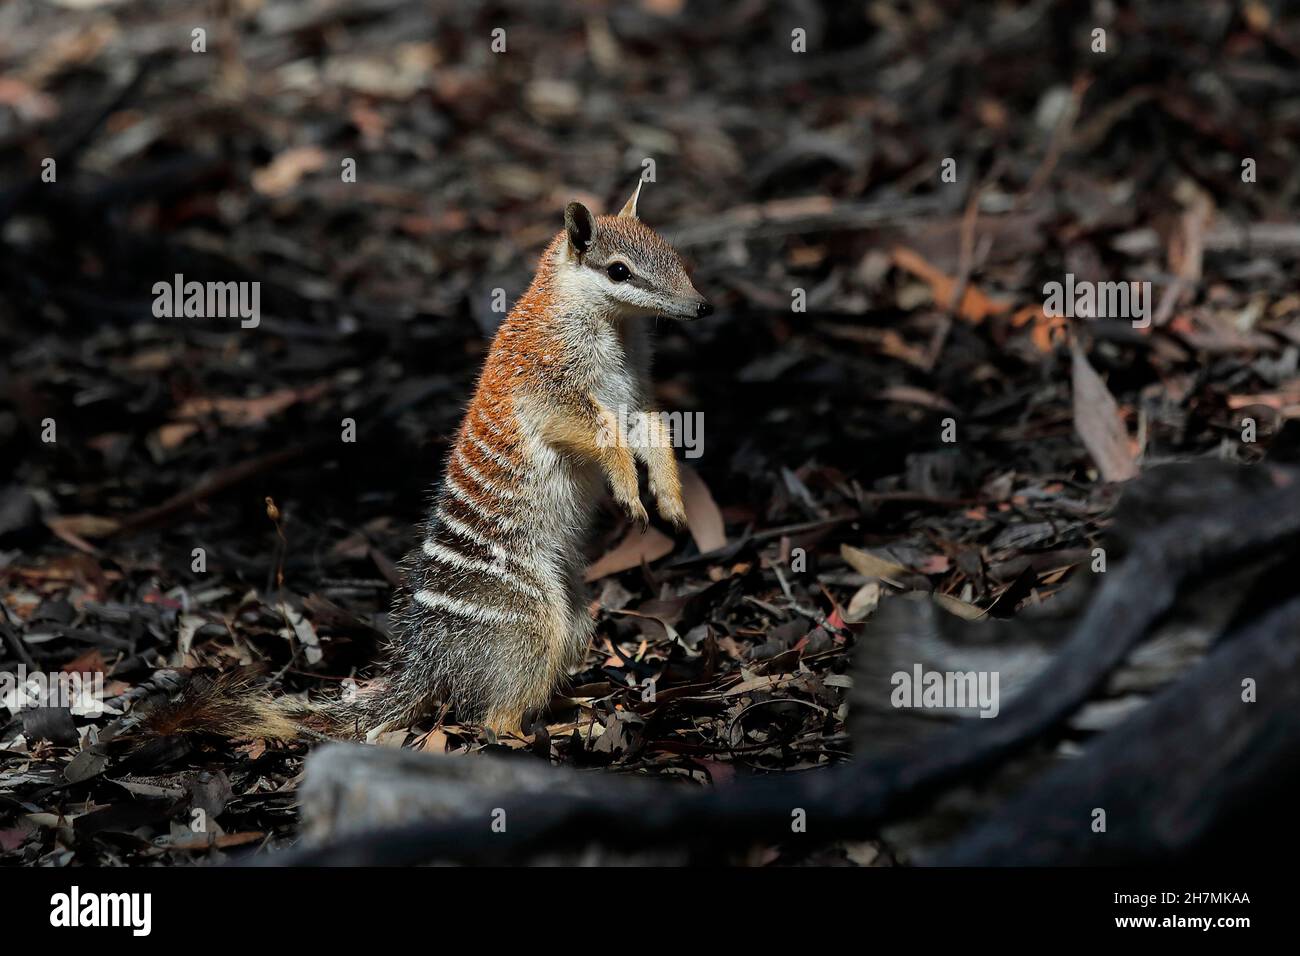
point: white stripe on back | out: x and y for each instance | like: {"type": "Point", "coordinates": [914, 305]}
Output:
{"type": "Point", "coordinates": [486, 421]}
{"type": "Point", "coordinates": [479, 477]}
{"type": "Point", "coordinates": [476, 506]}
{"type": "Point", "coordinates": [492, 453]}
{"type": "Point", "coordinates": [445, 555]}
{"type": "Point", "coordinates": [470, 534]}
{"type": "Point", "coordinates": [475, 612]}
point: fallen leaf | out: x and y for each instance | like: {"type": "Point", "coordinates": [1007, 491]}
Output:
{"type": "Point", "coordinates": [934, 564]}
{"type": "Point", "coordinates": [1045, 331]}
{"type": "Point", "coordinates": [435, 741]}
{"type": "Point", "coordinates": [862, 854]}
{"type": "Point", "coordinates": [663, 8]}
{"type": "Point", "coordinates": [911, 395]}
{"type": "Point", "coordinates": [868, 565]}
{"type": "Point", "coordinates": [668, 628]}
{"type": "Point", "coordinates": [88, 662]}
{"type": "Point", "coordinates": [287, 169]}
{"type": "Point", "coordinates": [242, 412]}
{"type": "Point", "coordinates": [14, 837]}
{"type": "Point", "coordinates": [218, 841]}
{"type": "Point", "coordinates": [74, 528]}
{"type": "Point", "coordinates": [173, 435]}
{"type": "Point", "coordinates": [975, 305]}
{"type": "Point", "coordinates": [636, 547]}
{"type": "Point", "coordinates": [1098, 423]}
{"type": "Point", "coordinates": [702, 514]}
{"type": "Point", "coordinates": [31, 105]}
{"type": "Point", "coordinates": [958, 607]}
{"type": "Point", "coordinates": [863, 603]}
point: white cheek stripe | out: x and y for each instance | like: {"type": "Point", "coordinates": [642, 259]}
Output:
{"type": "Point", "coordinates": [446, 556]}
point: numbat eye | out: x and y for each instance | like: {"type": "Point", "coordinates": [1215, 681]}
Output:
{"type": "Point", "coordinates": [619, 272]}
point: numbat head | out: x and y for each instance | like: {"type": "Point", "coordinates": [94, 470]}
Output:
{"type": "Point", "coordinates": [618, 267]}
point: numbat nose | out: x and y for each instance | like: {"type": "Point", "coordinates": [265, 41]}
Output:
{"type": "Point", "coordinates": [703, 309]}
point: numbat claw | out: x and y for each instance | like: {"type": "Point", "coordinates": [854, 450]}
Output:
{"type": "Point", "coordinates": [636, 511]}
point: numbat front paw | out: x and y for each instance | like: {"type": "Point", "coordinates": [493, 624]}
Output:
{"type": "Point", "coordinates": [672, 510]}
{"type": "Point", "coordinates": [636, 511]}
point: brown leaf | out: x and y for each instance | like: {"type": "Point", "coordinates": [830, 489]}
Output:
{"type": "Point", "coordinates": [221, 841]}
{"type": "Point", "coordinates": [911, 395]}
{"type": "Point", "coordinates": [663, 622]}
{"type": "Point", "coordinates": [638, 546]}
{"type": "Point", "coordinates": [956, 606]}
{"type": "Point", "coordinates": [1046, 331]}
{"type": "Point", "coordinates": [89, 662]}
{"type": "Point", "coordinates": [173, 435]}
{"type": "Point", "coordinates": [702, 514]}
{"type": "Point", "coordinates": [975, 305]}
{"type": "Point", "coordinates": [285, 171]}
{"type": "Point", "coordinates": [863, 603]}
{"type": "Point", "coordinates": [870, 566]}
{"type": "Point", "coordinates": [74, 529]}
{"type": "Point", "coordinates": [31, 105]}
{"type": "Point", "coordinates": [663, 8]}
{"type": "Point", "coordinates": [1098, 422]}
{"type": "Point", "coordinates": [243, 412]}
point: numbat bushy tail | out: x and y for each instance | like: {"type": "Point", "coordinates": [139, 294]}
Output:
{"type": "Point", "coordinates": [493, 616]}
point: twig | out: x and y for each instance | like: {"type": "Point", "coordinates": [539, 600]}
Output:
{"type": "Point", "coordinates": [788, 217]}
{"type": "Point", "coordinates": [219, 482]}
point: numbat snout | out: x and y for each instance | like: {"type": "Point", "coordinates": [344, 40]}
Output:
{"type": "Point", "coordinates": [493, 617]}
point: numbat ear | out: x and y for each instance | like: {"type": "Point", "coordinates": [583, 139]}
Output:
{"type": "Point", "coordinates": [629, 208]}
{"type": "Point", "coordinates": [579, 226]}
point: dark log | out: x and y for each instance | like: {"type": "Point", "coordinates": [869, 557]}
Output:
{"type": "Point", "coordinates": [1191, 771]}
{"type": "Point", "coordinates": [352, 790]}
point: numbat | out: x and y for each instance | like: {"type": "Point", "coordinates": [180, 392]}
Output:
{"type": "Point", "coordinates": [492, 615]}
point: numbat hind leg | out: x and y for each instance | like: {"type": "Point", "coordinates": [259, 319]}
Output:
{"type": "Point", "coordinates": [566, 647]}
{"type": "Point", "coordinates": [528, 695]}
{"type": "Point", "coordinates": [505, 719]}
